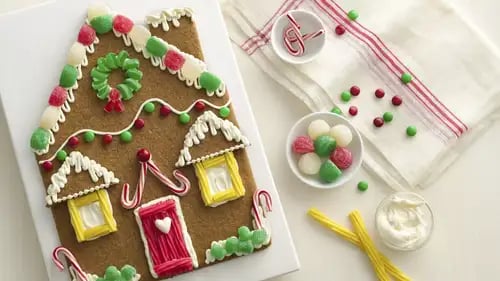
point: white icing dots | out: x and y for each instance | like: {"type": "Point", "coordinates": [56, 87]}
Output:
{"type": "Point", "coordinates": [77, 54]}
{"type": "Point", "coordinates": [139, 35]}
{"type": "Point", "coordinates": [50, 117]}
{"type": "Point", "coordinates": [96, 10]}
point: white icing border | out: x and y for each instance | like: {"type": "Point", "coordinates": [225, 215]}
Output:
{"type": "Point", "coordinates": [166, 16]}
{"type": "Point", "coordinates": [185, 233]}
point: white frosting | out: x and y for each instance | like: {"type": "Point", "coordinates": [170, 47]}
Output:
{"type": "Point", "coordinates": [219, 179]}
{"type": "Point", "coordinates": [167, 16]}
{"type": "Point", "coordinates": [77, 55]}
{"type": "Point", "coordinates": [402, 221]}
{"type": "Point", "coordinates": [79, 163]}
{"type": "Point", "coordinates": [208, 122]}
{"type": "Point", "coordinates": [50, 116]}
{"type": "Point", "coordinates": [91, 215]}
{"type": "Point", "coordinates": [139, 35]}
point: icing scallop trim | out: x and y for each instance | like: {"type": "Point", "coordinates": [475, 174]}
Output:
{"type": "Point", "coordinates": [168, 16]}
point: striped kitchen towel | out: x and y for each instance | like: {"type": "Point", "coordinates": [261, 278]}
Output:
{"type": "Point", "coordinates": [452, 98]}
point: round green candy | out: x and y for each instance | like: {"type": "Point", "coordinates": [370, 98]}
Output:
{"type": "Point", "coordinates": [89, 136]}
{"type": "Point", "coordinates": [102, 24]}
{"type": "Point", "coordinates": [388, 116]}
{"type": "Point", "coordinates": [149, 107]}
{"type": "Point", "coordinates": [232, 245]}
{"type": "Point", "coordinates": [411, 131]}
{"type": "Point", "coordinates": [61, 155]}
{"type": "Point", "coordinates": [156, 46]}
{"type": "Point", "coordinates": [259, 236]}
{"type": "Point", "coordinates": [244, 233]}
{"type": "Point", "coordinates": [345, 96]}
{"type": "Point", "coordinates": [406, 78]}
{"type": "Point", "coordinates": [362, 186]}
{"type": "Point", "coordinates": [352, 15]}
{"type": "Point", "coordinates": [217, 251]}
{"type": "Point", "coordinates": [68, 76]}
{"type": "Point", "coordinates": [184, 118]}
{"type": "Point", "coordinates": [336, 110]}
{"type": "Point", "coordinates": [224, 112]}
{"type": "Point", "coordinates": [209, 82]}
{"type": "Point", "coordinates": [324, 145]}
{"type": "Point", "coordinates": [112, 273]}
{"type": "Point", "coordinates": [128, 272]}
{"type": "Point", "coordinates": [40, 139]}
{"type": "Point", "coordinates": [126, 136]}
{"type": "Point", "coordinates": [328, 172]}
{"type": "Point", "coordinates": [245, 247]}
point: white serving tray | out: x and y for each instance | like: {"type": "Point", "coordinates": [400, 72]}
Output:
{"type": "Point", "coordinates": [33, 47]}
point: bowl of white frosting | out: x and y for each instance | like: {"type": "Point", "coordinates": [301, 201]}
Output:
{"type": "Point", "coordinates": [404, 221]}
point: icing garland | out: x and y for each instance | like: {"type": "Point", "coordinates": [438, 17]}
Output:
{"type": "Point", "coordinates": [167, 16]}
{"type": "Point", "coordinates": [124, 90]}
{"type": "Point", "coordinates": [139, 111]}
{"type": "Point", "coordinates": [206, 122]}
{"type": "Point", "coordinates": [79, 163]}
{"type": "Point", "coordinates": [247, 240]}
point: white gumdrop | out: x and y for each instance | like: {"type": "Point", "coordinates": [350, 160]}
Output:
{"type": "Point", "coordinates": [342, 135]}
{"type": "Point", "coordinates": [96, 10]}
{"type": "Point", "coordinates": [191, 70]}
{"type": "Point", "coordinates": [139, 35]}
{"type": "Point", "coordinates": [49, 117]}
{"type": "Point", "coordinates": [318, 128]}
{"type": "Point", "coordinates": [309, 163]}
{"type": "Point", "coordinates": [76, 54]}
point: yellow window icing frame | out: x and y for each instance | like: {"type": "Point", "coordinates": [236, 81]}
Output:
{"type": "Point", "coordinates": [109, 225]}
{"type": "Point", "coordinates": [237, 189]}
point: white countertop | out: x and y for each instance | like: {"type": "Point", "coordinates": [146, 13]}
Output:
{"type": "Point", "coordinates": [465, 201]}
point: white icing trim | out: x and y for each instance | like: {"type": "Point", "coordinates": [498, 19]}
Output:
{"type": "Point", "coordinates": [167, 16]}
{"type": "Point", "coordinates": [206, 122]}
{"type": "Point", "coordinates": [187, 238]}
{"type": "Point", "coordinates": [174, 110]}
{"type": "Point", "coordinates": [80, 163]}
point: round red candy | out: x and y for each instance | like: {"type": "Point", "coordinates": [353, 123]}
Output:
{"type": "Point", "coordinates": [107, 139]}
{"type": "Point", "coordinates": [165, 110]}
{"type": "Point", "coordinates": [397, 100]}
{"type": "Point", "coordinates": [173, 60]}
{"type": "Point", "coordinates": [58, 96]}
{"type": "Point", "coordinates": [86, 36]}
{"type": "Point", "coordinates": [122, 24]}
{"type": "Point", "coordinates": [341, 157]}
{"type": "Point", "coordinates": [339, 29]}
{"type": "Point", "coordinates": [199, 105]}
{"type": "Point", "coordinates": [303, 145]}
{"type": "Point", "coordinates": [139, 123]}
{"type": "Point", "coordinates": [143, 155]}
{"type": "Point", "coordinates": [47, 166]}
{"type": "Point", "coordinates": [379, 93]}
{"type": "Point", "coordinates": [378, 122]}
{"type": "Point", "coordinates": [355, 90]}
{"type": "Point", "coordinates": [353, 110]}
{"type": "Point", "coordinates": [73, 142]}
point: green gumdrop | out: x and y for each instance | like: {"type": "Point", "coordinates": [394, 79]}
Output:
{"type": "Point", "coordinates": [112, 274]}
{"type": "Point", "coordinates": [120, 58]}
{"type": "Point", "coordinates": [134, 74]}
{"type": "Point", "coordinates": [40, 139]}
{"type": "Point", "coordinates": [103, 68]}
{"type": "Point", "coordinates": [133, 84]}
{"type": "Point", "coordinates": [244, 233]}
{"type": "Point", "coordinates": [110, 62]}
{"type": "Point", "coordinates": [324, 145]}
{"type": "Point", "coordinates": [232, 245]}
{"type": "Point", "coordinates": [103, 93]}
{"type": "Point", "coordinates": [328, 172]}
{"type": "Point", "coordinates": [68, 76]}
{"type": "Point", "coordinates": [130, 64]}
{"type": "Point", "coordinates": [98, 75]}
{"type": "Point", "coordinates": [209, 82]}
{"type": "Point", "coordinates": [97, 85]}
{"type": "Point", "coordinates": [217, 251]}
{"type": "Point", "coordinates": [259, 236]}
{"type": "Point", "coordinates": [128, 272]}
{"type": "Point", "coordinates": [102, 24]}
{"type": "Point", "coordinates": [245, 247]}
{"type": "Point", "coordinates": [156, 46]}
{"type": "Point", "coordinates": [125, 91]}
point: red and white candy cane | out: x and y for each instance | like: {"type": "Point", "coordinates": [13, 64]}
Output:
{"type": "Point", "coordinates": [73, 266]}
{"type": "Point", "coordinates": [294, 40]}
{"type": "Point", "coordinates": [144, 157]}
{"type": "Point", "coordinates": [261, 200]}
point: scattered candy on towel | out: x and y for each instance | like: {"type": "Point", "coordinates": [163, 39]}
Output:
{"type": "Point", "coordinates": [352, 15]}
{"type": "Point", "coordinates": [362, 186]}
{"type": "Point", "coordinates": [303, 145]}
{"type": "Point", "coordinates": [294, 40]}
{"type": "Point", "coordinates": [378, 122]}
{"type": "Point", "coordinates": [406, 78]}
{"type": "Point", "coordinates": [341, 157]}
{"type": "Point", "coordinates": [411, 131]}
{"type": "Point", "coordinates": [388, 116]}
{"type": "Point", "coordinates": [336, 110]}
{"type": "Point", "coordinates": [345, 96]}
{"type": "Point", "coordinates": [355, 90]}
{"type": "Point", "coordinates": [353, 110]}
{"type": "Point", "coordinates": [339, 29]}
{"type": "Point", "coordinates": [397, 100]}
{"type": "Point", "coordinates": [379, 93]}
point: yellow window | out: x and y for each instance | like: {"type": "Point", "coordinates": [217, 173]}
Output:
{"type": "Point", "coordinates": [92, 215]}
{"type": "Point", "coordinates": [219, 179]}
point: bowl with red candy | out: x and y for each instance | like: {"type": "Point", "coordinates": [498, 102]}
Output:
{"type": "Point", "coordinates": [324, 150]}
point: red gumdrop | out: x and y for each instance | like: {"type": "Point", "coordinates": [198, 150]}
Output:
{"type": "Point", "coordinates": [165, 110]}
{"type": "Point", "coordinates": [58, 96]}
{"type": "Point", "coordinates": [143, 155]}
{"type": "Point", "coordinates": [174, 60]}
{"type": "Point", "coordinates": [47, 166]}
{"type": "Point", "coordinates": [302, 145]}
{"type": "Point", "coordinates": [86, 36]}
{"type": "Point", "coordinates": [107, 139]}
{"type": "Point", "coordinates": [73, 142]}
{"type": "Point", "coordinates": [122, 24]}
{"type": "Point", "coordinates": [341, 157]}
{"type": "Point", "coordinates": [139, 123]}
{"type": "Point", "coordinates": [199, 106]}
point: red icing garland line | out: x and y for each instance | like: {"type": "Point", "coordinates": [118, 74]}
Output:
{"type": "Point", "coordinates": [261, 199]}
{"type": "Point", "coordinates": [73, 263]}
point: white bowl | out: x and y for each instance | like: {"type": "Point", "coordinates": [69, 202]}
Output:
{"type": "Point", "coordinates": [300, 129]}
{"type": "Point", "coordinates": [309, 22]}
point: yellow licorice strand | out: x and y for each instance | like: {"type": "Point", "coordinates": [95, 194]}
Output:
{"type": "Point", "coordinates": [353, 238]}
{"type": "Point", "coordinates": [368, 246]}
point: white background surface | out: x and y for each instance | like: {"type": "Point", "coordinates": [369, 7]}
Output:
{"type": "Point", "coordinates": [464, 246]}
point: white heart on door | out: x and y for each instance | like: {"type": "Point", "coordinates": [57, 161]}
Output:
{"type": "Point", "coordinates": [164, 224]}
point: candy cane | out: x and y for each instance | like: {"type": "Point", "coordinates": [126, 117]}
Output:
{"type": "Point", "coordinates": [74, 266]}
{"type": "Point", "coordinates": [126, 202]}
{"type": "Point", "coordinates": [181, 189]}
{"type": "Point", "coordinates": [261, 200]}
{"type": "Point", "coordinates": [292, 35]}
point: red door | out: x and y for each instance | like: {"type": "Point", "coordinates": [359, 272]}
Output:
{"type": "Point", "coordinates": [165, 237]}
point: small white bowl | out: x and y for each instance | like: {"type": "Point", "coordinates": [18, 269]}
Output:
{"type": "Point", "coordinates": [309, 22]}
{"type": "Point", "coordinates": [300, 129]}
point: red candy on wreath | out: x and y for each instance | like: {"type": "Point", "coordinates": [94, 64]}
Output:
{"type": "Point", "coordinates": [114, 102]}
